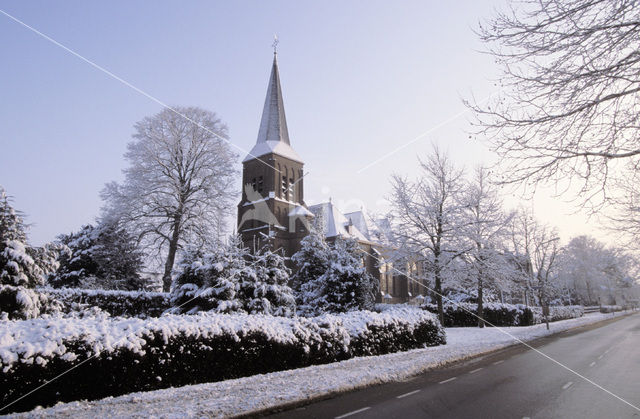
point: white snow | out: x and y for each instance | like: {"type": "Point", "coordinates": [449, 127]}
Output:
{"type": "Point", "coordinates": [255, 393]}
{"type": "Point", "coordinates": [276, 147]}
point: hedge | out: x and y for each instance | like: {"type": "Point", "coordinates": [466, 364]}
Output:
{"type": "Point", "coordinates": [115, 302]}
{"type": "Point", "coordinates": [124, 355]}
{"type": "Point", "coordinates": [610, 309]}
{"type": "Point", "coordinates": [502, 315]}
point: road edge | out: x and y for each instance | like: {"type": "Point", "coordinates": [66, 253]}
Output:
{"type": "Point", "coordinates": [446, 364]}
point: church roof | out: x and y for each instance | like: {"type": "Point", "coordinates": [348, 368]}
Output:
{"type": "Point", "coordinates": [334, 223]}
{"type": "Point", "coordinates": [273, 135]}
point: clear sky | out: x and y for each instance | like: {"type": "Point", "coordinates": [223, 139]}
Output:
{"type": "Point", "coordinates": [359, 78]}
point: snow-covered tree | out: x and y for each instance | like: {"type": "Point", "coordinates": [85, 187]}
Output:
{"type": "Point", "coordinates": [536, 245]}
{"type": "Point", "coordinates": [268, 290]}
{"type": "Point", "coordinates": [312, 260]}
{"type": "Point", "coordinates": [486, 229]}
{"type": "Point", "coordinates": [595, 273]}
{"type": "Point", "coordinates": [19, 272]}
{"type": "Point", "coordinates": [47, 258]}
{"type": "Point", "coordinates": [427, 216]}
{"type": "Point", "coordinates": [179, 186]}
{"type": "Point", "coordinates": [102, 256]}
{"type": "Point", "coordinates": [209, 281]}
{"type": "Point", "coordinates": [345, 284]}
{"type": "Point", "coordinates": [17, 267]}
{"type": "Point", "coordinates": [348, 285]}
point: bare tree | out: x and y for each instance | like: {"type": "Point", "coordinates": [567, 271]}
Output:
{"type": "Point", "coordinates": [486, 229]}
{"type": "Point", "coordinates": [624, 218]}
{"type": "Point", "coordinates": [426, 213]}
{"type": "Point", "coordinates": [544, 260]}
{"type": "Point", "coordinates": [568, 109]}
{"type": "Point", "coordinates": [179, 185]}
{"type": "Point", "coordinates": [538, 245]}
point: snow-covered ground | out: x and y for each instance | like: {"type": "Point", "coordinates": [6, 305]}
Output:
{"type": "Point", "coordinates": [255, 393]}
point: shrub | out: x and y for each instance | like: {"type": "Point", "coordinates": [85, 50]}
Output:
{"type": "Point", "coordinates": [116, 303]}
{"type": "Point", "coordinates": [502, 315]}
{"type": "Point", "coordinates": [610, 309]}
{"type": "Point", "coordinates": [26, 303]}
{"type": "Point", "coordinates": [126, 355]}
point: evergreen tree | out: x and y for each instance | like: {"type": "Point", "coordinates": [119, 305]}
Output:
{"type": "Point", "coordinates": [347, 286]}
{"type": "Point", "coordinates": [333, 278]}
{"type": "Point", "coordinates": [17, 267]}
{"type": "Point", "coordinates": [210, 281]}
{"type": "Point", "coordinates": [19, 272]}
{"type": "Point", "coordinates": [101, 256]}
{"type": "Point", "coordinates": [267, 290]}
{"type": "Point", "coordinates": [312, 261]}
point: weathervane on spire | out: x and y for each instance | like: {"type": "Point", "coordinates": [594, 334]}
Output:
{"type": "Point", "coordinates": [275, 44]}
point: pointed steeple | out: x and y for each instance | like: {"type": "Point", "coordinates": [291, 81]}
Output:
{"type": "Point", "coordinates": [273, 135]}
{"type": "Point", "coordinates": [273, 126]}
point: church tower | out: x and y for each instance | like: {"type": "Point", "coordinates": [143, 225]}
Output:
{"type": "Point", "coordinates": [272, 209]}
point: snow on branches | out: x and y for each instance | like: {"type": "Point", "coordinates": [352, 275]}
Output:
{"type": "Point", "coordinates": [332, 278]}
{"type": "Point", "coordinates": [230, 279]}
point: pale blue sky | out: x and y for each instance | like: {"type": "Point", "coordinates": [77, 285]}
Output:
{"type": "Point", "coordinates": [359, 79]}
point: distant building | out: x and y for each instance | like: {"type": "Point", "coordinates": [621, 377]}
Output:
{"type": "Point", "coordinates": [272, 208]}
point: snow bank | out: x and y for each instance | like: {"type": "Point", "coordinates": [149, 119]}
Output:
{"type": "Point", "coordinates": [256, 393]}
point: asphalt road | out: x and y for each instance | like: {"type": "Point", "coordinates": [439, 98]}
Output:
{"type": "Point", "coordinates": [513, 383]}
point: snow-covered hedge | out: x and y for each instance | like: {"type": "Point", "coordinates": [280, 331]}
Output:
{"type": "Point", "coordinates": [557, 313]}
{"type": "Point", "coordinates": [25, 303]}
{"type": "Point", "coordinates": [116, 303]}
{"type": "Point", "coordinates": [610, 309]}
{"type": "Point", "coordinates": [130, 354]}
{"type": "Point", "coordinates": [504, 315]}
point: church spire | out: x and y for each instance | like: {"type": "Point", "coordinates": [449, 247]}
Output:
{"type": "Point", "coordinates": [273, 135]}
{"type": "Point", "coordinates": [273, 126]}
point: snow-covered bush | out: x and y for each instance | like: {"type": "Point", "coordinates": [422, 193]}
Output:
{"type": "Point", "coordinates": [26, 303]}
{"type": "Point", "coordinates": [503, 315]}
{"type": "Point", "coordinates": [127, 355]}
{"type": "Point", "coordinates": [396, 328]}
{"type": "Point", "coordinates": [343, 283]}
{"type": "Point", "coordinates": [116, 303]}
{"type": "Point", "coordinates": [610, 309]}
{"type": "Point", "coordinates": [565, 312]}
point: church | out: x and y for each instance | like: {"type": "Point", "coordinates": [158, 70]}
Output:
{"type": "Point", "coordinates": [272, 209]}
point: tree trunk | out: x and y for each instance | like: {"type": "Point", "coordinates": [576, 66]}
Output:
{"type": "Point", "coordinates": [171, 256]}
{"type": "Point", "coordinates": [438, 290]}
{"type": "Point", "coordinates": [480, 305]}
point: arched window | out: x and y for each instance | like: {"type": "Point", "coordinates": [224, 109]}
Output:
{"type": "Point", "coordinates": [284, 187]}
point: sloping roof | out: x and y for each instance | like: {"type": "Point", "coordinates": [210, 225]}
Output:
{"type": "Point", "coordinates": [273, 135]}
{"type": "Point", "coordinates": [334, 223]}
{"type": "Point", "coordinates": [360, 222]}
{"type": "Point", "coordinates": [376, 231]}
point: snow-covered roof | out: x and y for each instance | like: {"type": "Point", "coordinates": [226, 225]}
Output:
{"type": "Point", "coordinates": [273, 135]}
{"type": "Point", "coordinates": [334, 223]}
{"type": "Point", "coordinates": [376, 231]}
{"type": "Point", "coordinates": [300, 210]}
{"type": "Point", "coordinates": [277, 147]}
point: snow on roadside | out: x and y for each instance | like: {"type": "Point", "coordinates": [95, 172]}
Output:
{"type": "Point", "coordinates": [255, 393]}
